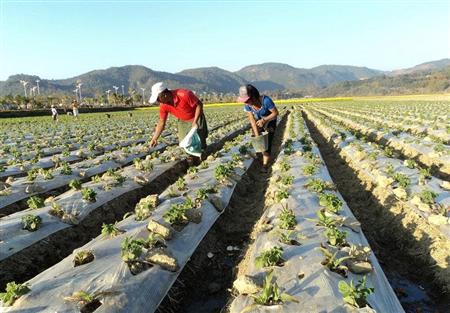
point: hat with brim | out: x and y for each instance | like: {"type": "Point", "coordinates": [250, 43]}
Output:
{"type": "Point", "coordinates": [243, 94]}
{"type": "Point", "coordinates": [156, 90]}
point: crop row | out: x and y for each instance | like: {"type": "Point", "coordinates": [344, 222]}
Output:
{"type": "Point", "coordinates": [416, 204]}
{"type": "Point", "coordinates": [309, 254]}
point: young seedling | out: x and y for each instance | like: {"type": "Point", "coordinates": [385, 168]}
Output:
{"type": "Point", "coordinates": [281, 194]}
{"type": "Point", "coordinates": [357, 295]}
{"type": "Point", "coordinates": [287, 180]}
{"type": "Point", "coordinates": [32, 174]}
{"type": "Point", "coordinates": [66, 169]}
{"type": "Point", "coordinates": [331, 202]}
{"type": "Point", "coordinates": [323, 220]}
{"type": "Point", "coordinates": [88, 303]}
{"type": "Point", "coordinates": [56, 210]}
{"type": "Point", "coordinates": [181, 184]}
{"type": "Point", "coordinates": [428, 196]}
{"type": "Point", "coordinates": [309, 169]}
{"type": "Point", "coordinates": [35, 202]}
{"type": "Point", "coordinates": [402, 180]}
{"type": "Point", "coordinates": [192, 171]}
{"type": "Point", "coordinates": [75, 184]}
{"type": "Point", "coordinates": [31, 222]}
{"type": "Point", "coordinates": [132, 249]}
{"type": "Point", "coordinates": [336, 237]}
{"type": "Point", "coordinates": [287, 218]}
{"type": "Point", "coordinates": [424, 173]}
{"type": "Point", "coordinates": [290, 238]}
{"type": "Point", "coordinates": [88, 194]}
{"type": "Point", "coordinates": [145, 207]}
{"type": "Point", "coordinates": [176, 214]}
{"type": "Point", "coordinates": [317, 185]}
{"type": "Point", "coordinates": [333, 263]}
{"type": "Point", "coordinates": [83, 257]}
{"type": "Point", "coordinates": [13, 292]}
{"type": "Point", "coordinates": [271, 257]}
{"type": "Point", "coordinates": [111, 230]}
{"type": "Point", "coordinates": [285, 166]}
{"type": "Point", "coordinates": [410, 163]}
{"type": "Point", "coordinates": [223, 171]}
{"type": "Point", "coordinates": [389, 152]}
{"type": "Point", "coordinates": [270, 295]}
{"type": "Point", "coordinates": [243, 149]}
{"type": "Point", "coordinates": [46, 174]}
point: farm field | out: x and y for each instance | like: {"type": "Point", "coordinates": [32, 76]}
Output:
{"type": "Point", "coordinates": [352, 217]}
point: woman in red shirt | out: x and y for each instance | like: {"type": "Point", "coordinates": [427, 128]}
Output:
{"type": "Point", "coordinates": [184, 105]}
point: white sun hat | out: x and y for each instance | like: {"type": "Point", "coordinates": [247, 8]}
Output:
{"type": "Point", "coordinates": [156, 90]}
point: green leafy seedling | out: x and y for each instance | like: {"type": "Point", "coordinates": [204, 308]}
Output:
{"type": "Point", "coordinates": [111, 230]}
{"type": "Point", "coordinates": [35, 202]}
{"type": "Point", "coordinates": [31, 222]}
{"type": "Point", "coordinates": [333, 263]}
{"type": "Point", "coordinates": [88, 194]}
{"type": "Point", "coordinates": [75, 184]}
{"type": "Point", "coordinates": [13, 292]}
{"type": "Point", "coordinates": [336, 237]}
{"type": "Point", "coordinates": [310, 169]}
{"type": "Point", "coordinates": [270, 295]}
{"type": "Point", "coordinates": [428, 196]}
{"type": "Point", "coordinates": [287, 218]}
{"type": "Point", "coordinates": [331, 202]}
{"type": "Point", "coordinates": [357, 295]}
{"type": "Point", "coordinates": [271, 257]}
{"type": "Point", "coordinates": [402, 179]}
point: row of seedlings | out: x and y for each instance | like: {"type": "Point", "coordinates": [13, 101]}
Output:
{"type": "Point", "coordinates": [309, 253]}
{"type": "Point", "coordinates": [17, 157]}
{"type": "Point", "coordinates": [72, 153]}
{"type": "Point", "coordinates": [28, 235]}
{"type": "Point", "coordinates": [435, 131]}
{"type": "Point", "coordinates": [41, 180]}
{"type": "Point", "coordinates": [409, 194]}
{"type": "Point", "coordinates": [426, 152]}
{"type": "Point", "coordinates": [132, 265]}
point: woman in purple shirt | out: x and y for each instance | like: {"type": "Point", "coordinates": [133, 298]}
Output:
{"type": "Point", "coordinates": [262, 114]}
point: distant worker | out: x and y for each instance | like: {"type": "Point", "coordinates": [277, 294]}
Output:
{"type": "Point", "coordinates": [185, 106]}
{"type": "Point", "coordinates": [262, 114]}
{"type": "Point", "coordinates": [54, 113]}
{"type": "Point", "coordinates": [75, 108]}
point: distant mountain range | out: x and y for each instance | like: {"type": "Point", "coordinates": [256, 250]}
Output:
{"type": "Point", "coordinates": [266, 77]}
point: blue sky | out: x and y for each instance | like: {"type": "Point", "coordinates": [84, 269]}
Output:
{"type": "Point", "coordinates": [60, 39]}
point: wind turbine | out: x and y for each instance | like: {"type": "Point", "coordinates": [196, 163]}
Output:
{"type": "Point", "coordinates": [107, 92]}
{"type": "Point", "coordinates": [123, 93]}
{"type": "Point", "coordinates": [33, 91]}
{"type": "Point", "coordinates": [24, 83]}
{"type": "Point", "coordinates": [37, 82]}
{"type": "Point", "coordinates": [76, 94]}
{"type": "Point", "coordinates": [143, 95]}
{"type": "Point", "coordinates": [115, 88]}
{"type": "Point", "coordinates": [79, 88]}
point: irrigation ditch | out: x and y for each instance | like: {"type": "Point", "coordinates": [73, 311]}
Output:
{"type": "Point", "coordinates": [393, 244]}
{"type": "Point", "coordinates": [205, 283]}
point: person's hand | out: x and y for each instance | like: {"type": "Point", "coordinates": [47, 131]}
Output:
{"type": "Point", "coordinates": [194, 125]}
{"type": "Point", "coordinates": [260, 123]}
{"type": "Point", "coordinates": [153, 143]}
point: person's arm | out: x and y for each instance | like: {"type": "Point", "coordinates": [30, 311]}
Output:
{"type": "Point", "coordinates": [158, 130]}
{"type": "Point", "coordinates": [198, 113]}
{"type": "Point", "coordinates": [266, 119]}
{"type": "Point", "coordinates": [253, 123]}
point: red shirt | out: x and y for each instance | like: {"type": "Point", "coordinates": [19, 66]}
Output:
{"type": "Point", "coordinates": [184, 105]}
